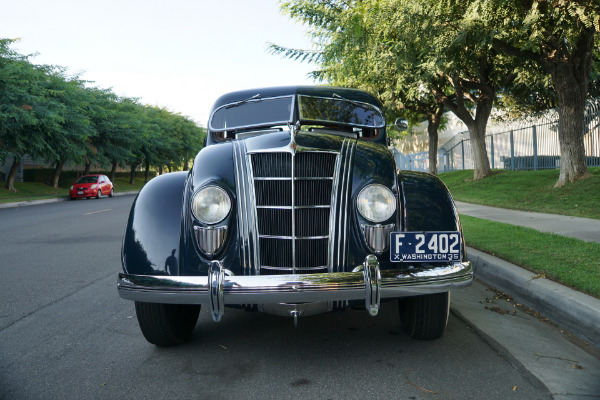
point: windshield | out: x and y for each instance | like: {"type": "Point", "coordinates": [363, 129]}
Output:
{"type": "Point", "coordinates": [253, 112]}
{"type": "Point", "coordinates": [87, 179]}
{"type": "Point", "coordinates": [339, 110]}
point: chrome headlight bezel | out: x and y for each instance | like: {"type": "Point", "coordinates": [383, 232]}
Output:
{"type": "Point", "coordinates": [376, 203]}
{"type": "Point", "coordinates": [203, 208]}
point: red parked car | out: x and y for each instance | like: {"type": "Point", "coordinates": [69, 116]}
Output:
{"type": "Point", "coordinates": [91, 186]}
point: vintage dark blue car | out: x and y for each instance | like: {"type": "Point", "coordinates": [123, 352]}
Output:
{"type": "Point", "coordinates": [295, 207]}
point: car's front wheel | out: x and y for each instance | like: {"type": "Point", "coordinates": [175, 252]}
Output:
{"type": "Point", "coordinates": [99, 194]}
{"type": "Point", "coordinates": [167, 324]}
{"type": "Point", "coordinates": [425, 317]}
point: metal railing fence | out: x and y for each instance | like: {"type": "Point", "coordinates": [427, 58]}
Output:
{"type": "Point", "coordinates": [527, 144]}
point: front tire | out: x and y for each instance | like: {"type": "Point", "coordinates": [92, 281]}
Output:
{"type": "Point", "coordinates": [425, 317]}
{"type": "Point", "coordinates": [167, 324]}
{"type": "Point", "coordinates": [99, 194]}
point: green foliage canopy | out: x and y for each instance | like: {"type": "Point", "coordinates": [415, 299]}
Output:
{"type": "Point", "coordinates": [51, 116]}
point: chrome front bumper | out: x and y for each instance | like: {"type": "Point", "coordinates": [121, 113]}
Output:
{"type": "Point", "coordinates": [368, 283]}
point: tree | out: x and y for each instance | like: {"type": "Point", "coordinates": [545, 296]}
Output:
{"type": "Point", "coordinates": [439, 61]}
{"type": "Point", "coordinates": [26, 109]}
{"type": "Point", "coordinates": [50, 116]}
{"type": "Point", "coordinates": [68, 138]}
{"type": "Point", "coordinates": [115, 124]}
{"type": "Point", "coordinates": [560, 38]}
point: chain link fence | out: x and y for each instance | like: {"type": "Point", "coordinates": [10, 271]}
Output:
{"type": "Point", "coordinates": [527, 144]}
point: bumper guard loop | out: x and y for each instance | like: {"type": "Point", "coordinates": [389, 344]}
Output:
{"type": "Point", "coordinates": [216, 280]}
{"type": "Point", "coordinates": [372, 276]}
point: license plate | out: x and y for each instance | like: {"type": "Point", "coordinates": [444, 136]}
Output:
{"type": "Point", "coordinates": [425, 246]}
{"type": "Point", "coordinates": [79, 192]}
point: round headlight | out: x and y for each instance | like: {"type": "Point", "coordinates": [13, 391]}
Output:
{"type": "Point", "coordinates": [211, 204]}
{"type": "Point", "coordinates": [376, 203]}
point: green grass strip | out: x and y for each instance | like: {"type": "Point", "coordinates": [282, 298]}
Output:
{"type": "Point", "coordinates": [528, 191]}
{"type": "Point", "coordinates": [569, 261]}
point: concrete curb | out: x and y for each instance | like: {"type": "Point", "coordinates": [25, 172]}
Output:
{"type": "Point", "coordinates": [47, 201]}
{"type": "Point", "coordinates": [569, 308]}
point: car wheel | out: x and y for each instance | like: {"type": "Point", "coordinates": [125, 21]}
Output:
{"type": "Point", "coordinates": [112, 192]}
{"type": "Point", "coordinates": [425, 317]}
{"type": "Point", "coordinates": [99, 195]}
{"type": "Point", "coordinates": [167, 324]}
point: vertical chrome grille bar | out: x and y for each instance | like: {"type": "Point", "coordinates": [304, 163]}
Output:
{"type": "Point", "coordinates": [253, 221]}
{"type": "Point", "coordinates": [293, 182]}
{"type": "Point", "coordinates": [247, 222]}
{"type": "Point", "coordinates": [338, 237]}
{"type": "Point", "coordinates": [346, 194]}
{"type": "Point", "coordinates": [331, 257]}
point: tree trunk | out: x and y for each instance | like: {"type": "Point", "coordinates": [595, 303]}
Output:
{"type": "Point", "coordinates": [57, 170]}
{"type": "Point", "coordinates": [477, 128]}
{"type": "Point", "coordinates": [160, 169]}
{"type": "Point", "coordinates": [132, 175]}
{"type": "Point", "coordinates": [571, 80]}
{"type": "Point", "coordinates": [484, 101]}
{"type": "Point", "coordinates": [434, 121]}
{"type": "Point", "coordinates": [147, 171]}
{"type": "Point", "coordinates": [570, 136]}
{"type": "Point", "coordinates": [113, 171]}
{"type": "Point", "coordinates": [88, 165]}
{"type": "Point", "coordinates": [10, 179]}
{"type": "Point", "coordinates": [481, 163]}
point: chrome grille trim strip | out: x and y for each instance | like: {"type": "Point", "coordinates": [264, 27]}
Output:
{"type": "Point", "coordinates": [334, 210]}
{"type": "Point", "coordinates": [247, 221]}
{"type": "Point", "coordinates": [287, 178]}
{"type": "Point", "coordinates": [297, 237]}
{"type": "Point", "coordinates": [340, 206]}
{"type": "Point", "coordinates": [289, 207]}
{"type": "Point", "coordinates": [293, 204]}
{"type": "Point", "coordinates": [297, 269]}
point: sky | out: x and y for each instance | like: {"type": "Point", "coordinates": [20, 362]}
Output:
{"type": "Point", "coordinates": [177, 54]}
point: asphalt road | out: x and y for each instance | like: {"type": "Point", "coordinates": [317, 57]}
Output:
{"type": "Point", "coordinates": [65, 334]}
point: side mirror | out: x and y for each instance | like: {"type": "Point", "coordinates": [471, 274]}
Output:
{"type": "Point", "coordinates": [401, 124]}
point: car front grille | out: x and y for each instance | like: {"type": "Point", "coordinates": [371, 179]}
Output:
{"type": "Point", "coordinates": [293, 198]}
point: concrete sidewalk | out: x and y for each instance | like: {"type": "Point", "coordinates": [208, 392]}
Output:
{"type": "Point", "coordinates": [569, 308]}
{"type": "Point", "coordinates": [586, 229]}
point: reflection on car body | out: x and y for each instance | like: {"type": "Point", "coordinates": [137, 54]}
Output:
{"type": "Point", "coordinates": [289, 210]}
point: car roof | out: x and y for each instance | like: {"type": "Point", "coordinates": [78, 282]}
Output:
{"type": "Point", "coordinates": [322, 91]}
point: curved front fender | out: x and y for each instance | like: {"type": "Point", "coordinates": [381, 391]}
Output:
{"type": "Point", "coordinates": [151, 242]}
